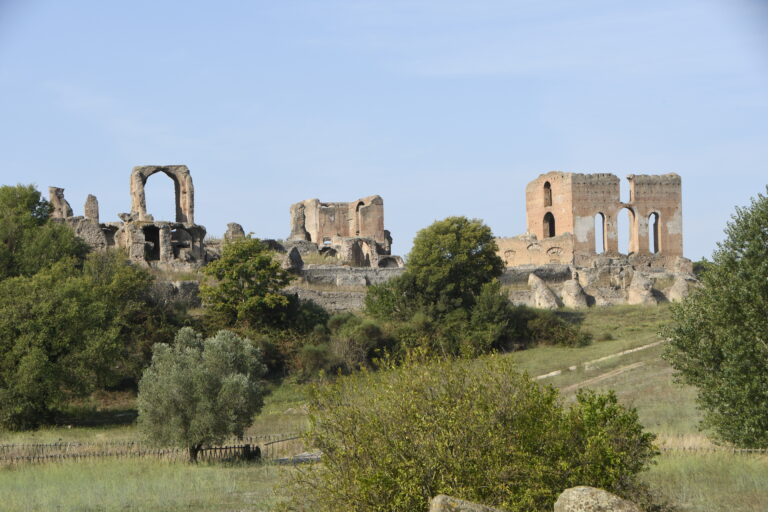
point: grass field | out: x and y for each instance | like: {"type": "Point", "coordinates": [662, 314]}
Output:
{"type": "Point", "coordinates": [694, 481]}
{"type": "Point", "coordinates": [140, 485]}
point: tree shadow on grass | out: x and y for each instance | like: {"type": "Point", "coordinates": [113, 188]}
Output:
{"type": "Point", "coordinates": [92, 417]}
{"type": "Point", "coordinates": [572, 317]}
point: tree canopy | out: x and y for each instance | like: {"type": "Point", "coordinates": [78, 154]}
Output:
{"type": "Point", "coordinates": [29, 240]}
{"type": "Point", "coordinates": [198, 392]}
{"type": "Point", "coordinates": [65, 332]}
{"type": "Point", "coordinates": [719, 335]}
{"type": "Point", "coordinates": [450, 262]}
{"type": "Point", "coordinates": [249, 280]}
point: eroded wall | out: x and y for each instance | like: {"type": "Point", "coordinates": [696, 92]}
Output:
{"type": "Point", "coordinates": [321, 222]}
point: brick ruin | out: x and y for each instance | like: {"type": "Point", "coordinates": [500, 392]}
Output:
{"type": "Point", "coordinates": [573, 219]}
{"type": "Point", "coordinates": [568, 257]}
{"type": "Point", "coordinates": [570, 254]}
{"type": "Point", "coordinates": [175, 245]}
{"type": "Point", "coordinates": [351, 232]}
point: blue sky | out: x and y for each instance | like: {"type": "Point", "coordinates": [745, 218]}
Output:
{"type": "Point", "coordinates": [442, 107]}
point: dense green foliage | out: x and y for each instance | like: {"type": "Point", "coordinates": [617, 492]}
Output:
{"type": "Point", "coordinates": [248, 283]}
{"type": "Point", "coordinates": [198, 392]}
{"type": "Point", "coordinates": [29, 241]}
{"type": "Point", "coordinates": [65, 332]}
{"type": "Point", "coordinates": [448, 301]}
{"type": "Point", "coordinates": [392, 440]}
{"type": "Point", "coordinates": [450, 262]}
{"type": "Point", "coordinates": [719, 336]}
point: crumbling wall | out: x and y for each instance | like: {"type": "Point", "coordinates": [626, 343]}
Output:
{"type": "Point", "coordinates": [320, 222]}
{"type": "Point", "coordinates": [176, 245]}
{"type": "Point", "coordinates": [530, 250]}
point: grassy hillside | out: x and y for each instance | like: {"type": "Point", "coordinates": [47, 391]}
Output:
{"type": "Point", "coordinates": [694, 480]}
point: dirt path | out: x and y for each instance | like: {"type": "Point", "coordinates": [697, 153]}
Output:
{"type": "Point", "coordinates": [602, 377]}
{"type": "Point", "coordinates": [590, 364]}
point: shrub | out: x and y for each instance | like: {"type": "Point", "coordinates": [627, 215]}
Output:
{"type": "Point", "coordinates": [392, 440]}
{"type": "Point", "coordinates": [547, 328]}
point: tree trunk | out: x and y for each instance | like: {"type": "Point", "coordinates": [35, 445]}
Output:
{"type": "Point", "coordinates": [193, 451]}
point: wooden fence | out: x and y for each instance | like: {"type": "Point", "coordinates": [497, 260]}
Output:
{"type": "Point", "coordinates": [266, 447]}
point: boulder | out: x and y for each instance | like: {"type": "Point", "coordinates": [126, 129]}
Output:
{"type": "Point", "coordinates": [640, 291]}
{"type": "Point", "coordinates": [680, 289]}
{"type": "Point", "coordinates": [573, 294]}
{"type": "Point", "coordinates": [443, 503]}
{"type": "Point", "coordinates": [590, 499]}
{"type": "Point", "coordinates": [292, 260]}
{"type": "Point", "coordinates": [543, 297]}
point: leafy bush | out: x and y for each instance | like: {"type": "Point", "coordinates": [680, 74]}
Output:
{"type": "Point", "coordinates": [198, 392]}
{"type": "Point", "coordinates": [546, 328]}
{"type": "Point", "coordinates": [392, 440]}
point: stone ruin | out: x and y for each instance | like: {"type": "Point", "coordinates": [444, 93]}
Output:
{"type": "Point", "coordinates": [177, 245]}
{"type": "Point", "coordinates": [568, 257]}
{"type": "Point", "coordinates": [572, 242]}
{"type": "Point", "coordinates": [352, 233]}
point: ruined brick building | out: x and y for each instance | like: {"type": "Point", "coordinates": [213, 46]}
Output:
{"type": "Point", "coordinates": [572, 219]}
{"type": "Point", "coordinates": [352, 232]}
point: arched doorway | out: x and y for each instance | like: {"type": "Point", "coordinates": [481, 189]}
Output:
{"type": "Point", "coordinates": [159, 194]}
{"type": "Point", "coordinates": [549, 225]}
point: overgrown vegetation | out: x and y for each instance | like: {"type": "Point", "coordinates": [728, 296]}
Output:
{"type": "Point", "coordinates": [392, 440]}
{"type": "Point", "coordinates": [719, 335]}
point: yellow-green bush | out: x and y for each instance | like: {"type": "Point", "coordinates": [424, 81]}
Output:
{"type": "Point", "coordinates": [393, 439]}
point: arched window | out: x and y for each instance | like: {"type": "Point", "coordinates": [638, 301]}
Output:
{"type": "Point", "coordinates": [653, 233]}
{"type": "Point", "coordinates": [627, 231]}
{"type": "Point", "coordinates": [547, 194]}
{"type": "Point", "coordinates": [549, 225]}
{"type": "Point", "coordinates": [599, 233]}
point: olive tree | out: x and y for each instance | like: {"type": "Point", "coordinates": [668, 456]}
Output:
{"type": "Point", "coordinates": [197, 392]}
{"type": "Point", "coordinates": [719, 335]}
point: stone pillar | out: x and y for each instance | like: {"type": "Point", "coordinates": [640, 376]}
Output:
{"type": "Point", "coordinates": [166, 249]}
{"type": "Point", "coordinates": [91, 208]}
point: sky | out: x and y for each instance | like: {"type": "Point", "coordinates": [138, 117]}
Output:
{"type": "Point", "coordinates": [442, 107]}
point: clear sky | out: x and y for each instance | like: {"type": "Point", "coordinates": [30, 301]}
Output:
{"type": "Point", "coordinates": [442, 107]}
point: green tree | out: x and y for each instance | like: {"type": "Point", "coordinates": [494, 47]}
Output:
{"type": "Point", "coordinates": [247, 291]}
{"type": "Point", "coordinates": [29, 241]}
{"type": "Point", "coordinates": [64, 332]}
{"type": "Point", "coordinates": [199, 392]}
{"type": "Point", "coordinates": [392, 440]}
{"type": "Point", "coordinates": [450, 262]}
{"type": "Point", "coordinates": [719, 334]}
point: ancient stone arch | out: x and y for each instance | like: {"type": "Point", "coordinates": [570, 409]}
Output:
{"type": "Point", "coordinates": [182, 184]}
